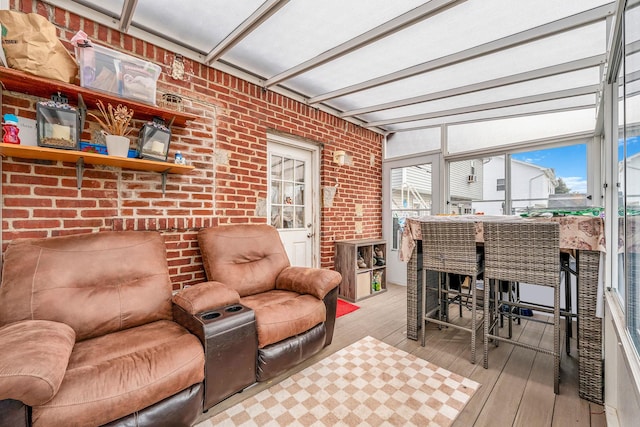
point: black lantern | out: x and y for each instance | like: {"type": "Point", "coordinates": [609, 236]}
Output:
{"type": "Point", "coordinates": [153, 141]}
{"type": "Point", "coordinates": [58, 124]}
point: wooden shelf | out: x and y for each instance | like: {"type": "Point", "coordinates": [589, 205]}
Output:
{"type": "Point", "coordinates": [80, 158]}
{"type": "Point", "coordinates": [19, 81]}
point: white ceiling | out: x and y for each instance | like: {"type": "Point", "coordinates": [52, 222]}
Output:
{"type": "Point", "coordinates": [393, 66]}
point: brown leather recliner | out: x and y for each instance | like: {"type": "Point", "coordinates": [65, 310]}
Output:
{"type": "Point", "coordinates": [294, 307]}
{"type": "Point", "coordinates": [87, 336]}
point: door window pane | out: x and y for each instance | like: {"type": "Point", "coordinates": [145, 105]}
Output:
{"type": "Point", "coordinates": [287, 188]}
{"type": "Point", "coordinates": [411, 196]}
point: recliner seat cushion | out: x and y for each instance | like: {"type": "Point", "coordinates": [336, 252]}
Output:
{"type": "Point", "coordinates": [114, 375]}
{"type": "Point", "coordinates": [282, 314]}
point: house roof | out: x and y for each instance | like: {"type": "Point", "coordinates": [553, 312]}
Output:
{"type": "Point", "coordinates": [393, 66]}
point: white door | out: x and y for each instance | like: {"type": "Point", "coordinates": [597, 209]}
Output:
{"type": "Point", "coordinates": [411, 189]}
{"type": "Point", "coordinates": [292, 191]}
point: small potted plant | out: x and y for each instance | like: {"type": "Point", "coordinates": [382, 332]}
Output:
{"type": "Point", "coordinates": [115, 124]}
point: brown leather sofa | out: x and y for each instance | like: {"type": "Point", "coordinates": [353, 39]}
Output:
{"type": "Point", "coordinates": [87, 335]}
{"type": "Point", "coordinates": [277, 315]}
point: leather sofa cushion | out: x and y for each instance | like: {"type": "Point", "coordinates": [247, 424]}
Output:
{"type": "Point", "coordinates": [282, 314]}
{"type": "Point", "coordinates": [96, 283]}
{"type": "Point", "coordinates": [117, 374]}
{"type": "Point", "coordinates": [245, 257]}
{"type": "Point", "coordinates": [33, 359]}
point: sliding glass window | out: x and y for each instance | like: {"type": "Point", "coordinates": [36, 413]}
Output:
{"type": "Point", "coordinates": [631, 167]}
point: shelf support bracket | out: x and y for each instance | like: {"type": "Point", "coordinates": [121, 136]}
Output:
{"type": "Point", "coordinates": [164, 180]}
{"type": "Point", "coordinates": [79, 171]}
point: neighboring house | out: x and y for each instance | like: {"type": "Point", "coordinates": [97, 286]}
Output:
{"type": "Point", "coordinates": [465, 185]}
{"type": "Point", "coordinates": [531, 187]}
{"type": "Point", "coordinates": [411, 188]}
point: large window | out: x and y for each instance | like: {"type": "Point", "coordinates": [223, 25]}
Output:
{"type": "Point", "coordinates": [539, 180]}
{"type": "Point", "coordinates": [546, 180]}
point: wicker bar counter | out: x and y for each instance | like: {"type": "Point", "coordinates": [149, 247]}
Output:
{"type": "Point", "coordinates": [584, 237]}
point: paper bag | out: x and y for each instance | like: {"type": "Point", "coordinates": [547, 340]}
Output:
{"type": "Point", "coordinates": [31, 45]}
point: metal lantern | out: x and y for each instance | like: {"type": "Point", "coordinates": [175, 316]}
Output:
{"type": "Point", "coordinates": [58, 124]}
{"type": "Point", "coordinates": [154, 139]}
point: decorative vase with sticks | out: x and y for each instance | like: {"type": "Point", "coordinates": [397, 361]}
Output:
{"type": "Point", "coordinates": [115, 124]}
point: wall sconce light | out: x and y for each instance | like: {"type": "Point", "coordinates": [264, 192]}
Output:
{"type": "Point", "coordinates": [338, 157]}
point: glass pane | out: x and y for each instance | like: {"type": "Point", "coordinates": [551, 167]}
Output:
{"type": "Point", "coordinates": [276, 192]}
{"type": "Point", "coordinates": [632, 170]}
{"type": "Point", "coordinates": [276, 166]}
{"type": "Point", "coordinates": [574, 102]}
{"type": "Point", "coordinates": [299, 196]}
{"type": "Point", "coordinates": [191, 22]}
{"type": "Point", "coordinates": [299, 173]}
{"type": "Point", "coordinates": [287, 217]}
{"type": "Point", "coordinates": [299, 217]}
{"type": "Point", "coordinates": [288, 170]}
{"type": "Point", "coordinates": [477, 186]}
{"type": "Point", "coordinates": [288, 193]}
{"type": "Point", "coordinates": [276, 216]}
{"type": "Point", "coordinates": [590, 76]}
{"type": "Point", "coordinates": [427, 41]}
{"type": "Point", "coordinates": [545, 180]}
{"type": "Point", "coordinates": [413, 142]}
{"type": "Point", "coordinates": [494, 133]}
{"type": "Point", "coordinates": [270, 49]}
{"type": "Point", "coordinates": [621, 287]}
{"type": "Point", "coordinates": [411, 191]}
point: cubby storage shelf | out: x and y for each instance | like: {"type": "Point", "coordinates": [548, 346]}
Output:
{"type": "Point", "coordinates": [18, 81]}
{"type": "Point", "coordinates": [358, 283]}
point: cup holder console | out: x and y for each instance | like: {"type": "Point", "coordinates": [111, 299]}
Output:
{"type": "Point", "coordinates": [231, 350]}
{"type": "Point", "coordinates": [208, 315]}
{"type": "Point", "coordinates": [223, 312]}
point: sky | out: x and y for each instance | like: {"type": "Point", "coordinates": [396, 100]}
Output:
{"type": "Point", "coordinates": [570, 163]}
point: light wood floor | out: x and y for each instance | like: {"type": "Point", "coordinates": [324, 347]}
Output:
{"type": "Point", "coordinates": [516, 390]}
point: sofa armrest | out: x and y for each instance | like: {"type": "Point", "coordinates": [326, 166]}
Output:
{"type": "Point", "coordinates": [35, 355]}
{"type": "Point", "coordinates": [205, 296]}
{"type": "Point", "coordinates": [314, 281]}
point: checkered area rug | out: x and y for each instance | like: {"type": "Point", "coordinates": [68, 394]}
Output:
{"type": "Point", "coordinates": [368, 383]}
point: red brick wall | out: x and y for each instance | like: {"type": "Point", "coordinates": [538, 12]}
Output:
{"type": "Point", "coordinates": [227, 144]}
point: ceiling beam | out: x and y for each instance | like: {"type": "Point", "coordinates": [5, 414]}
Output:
{"type": "Point", "coordinates": [128, 8]}
{"type": "Point", "coordinates": [264, 12]}
{"type": "Point", "coordinates": [553, 70]}
{"type": "Point", "coordinates": [390, 27]}
{"type": "Point", "coordinates": [584, 90]}
{"type": "Point", "coordinates": [542, 31]}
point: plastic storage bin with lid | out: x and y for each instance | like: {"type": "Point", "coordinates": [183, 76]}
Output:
{"type": "Point", "coordinates": [114, 72]}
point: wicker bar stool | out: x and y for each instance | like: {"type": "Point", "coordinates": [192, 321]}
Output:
{"type": "Point", "coordinates": [450, 247]}
{"type": "Point", "coordinates": [525, 252]}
